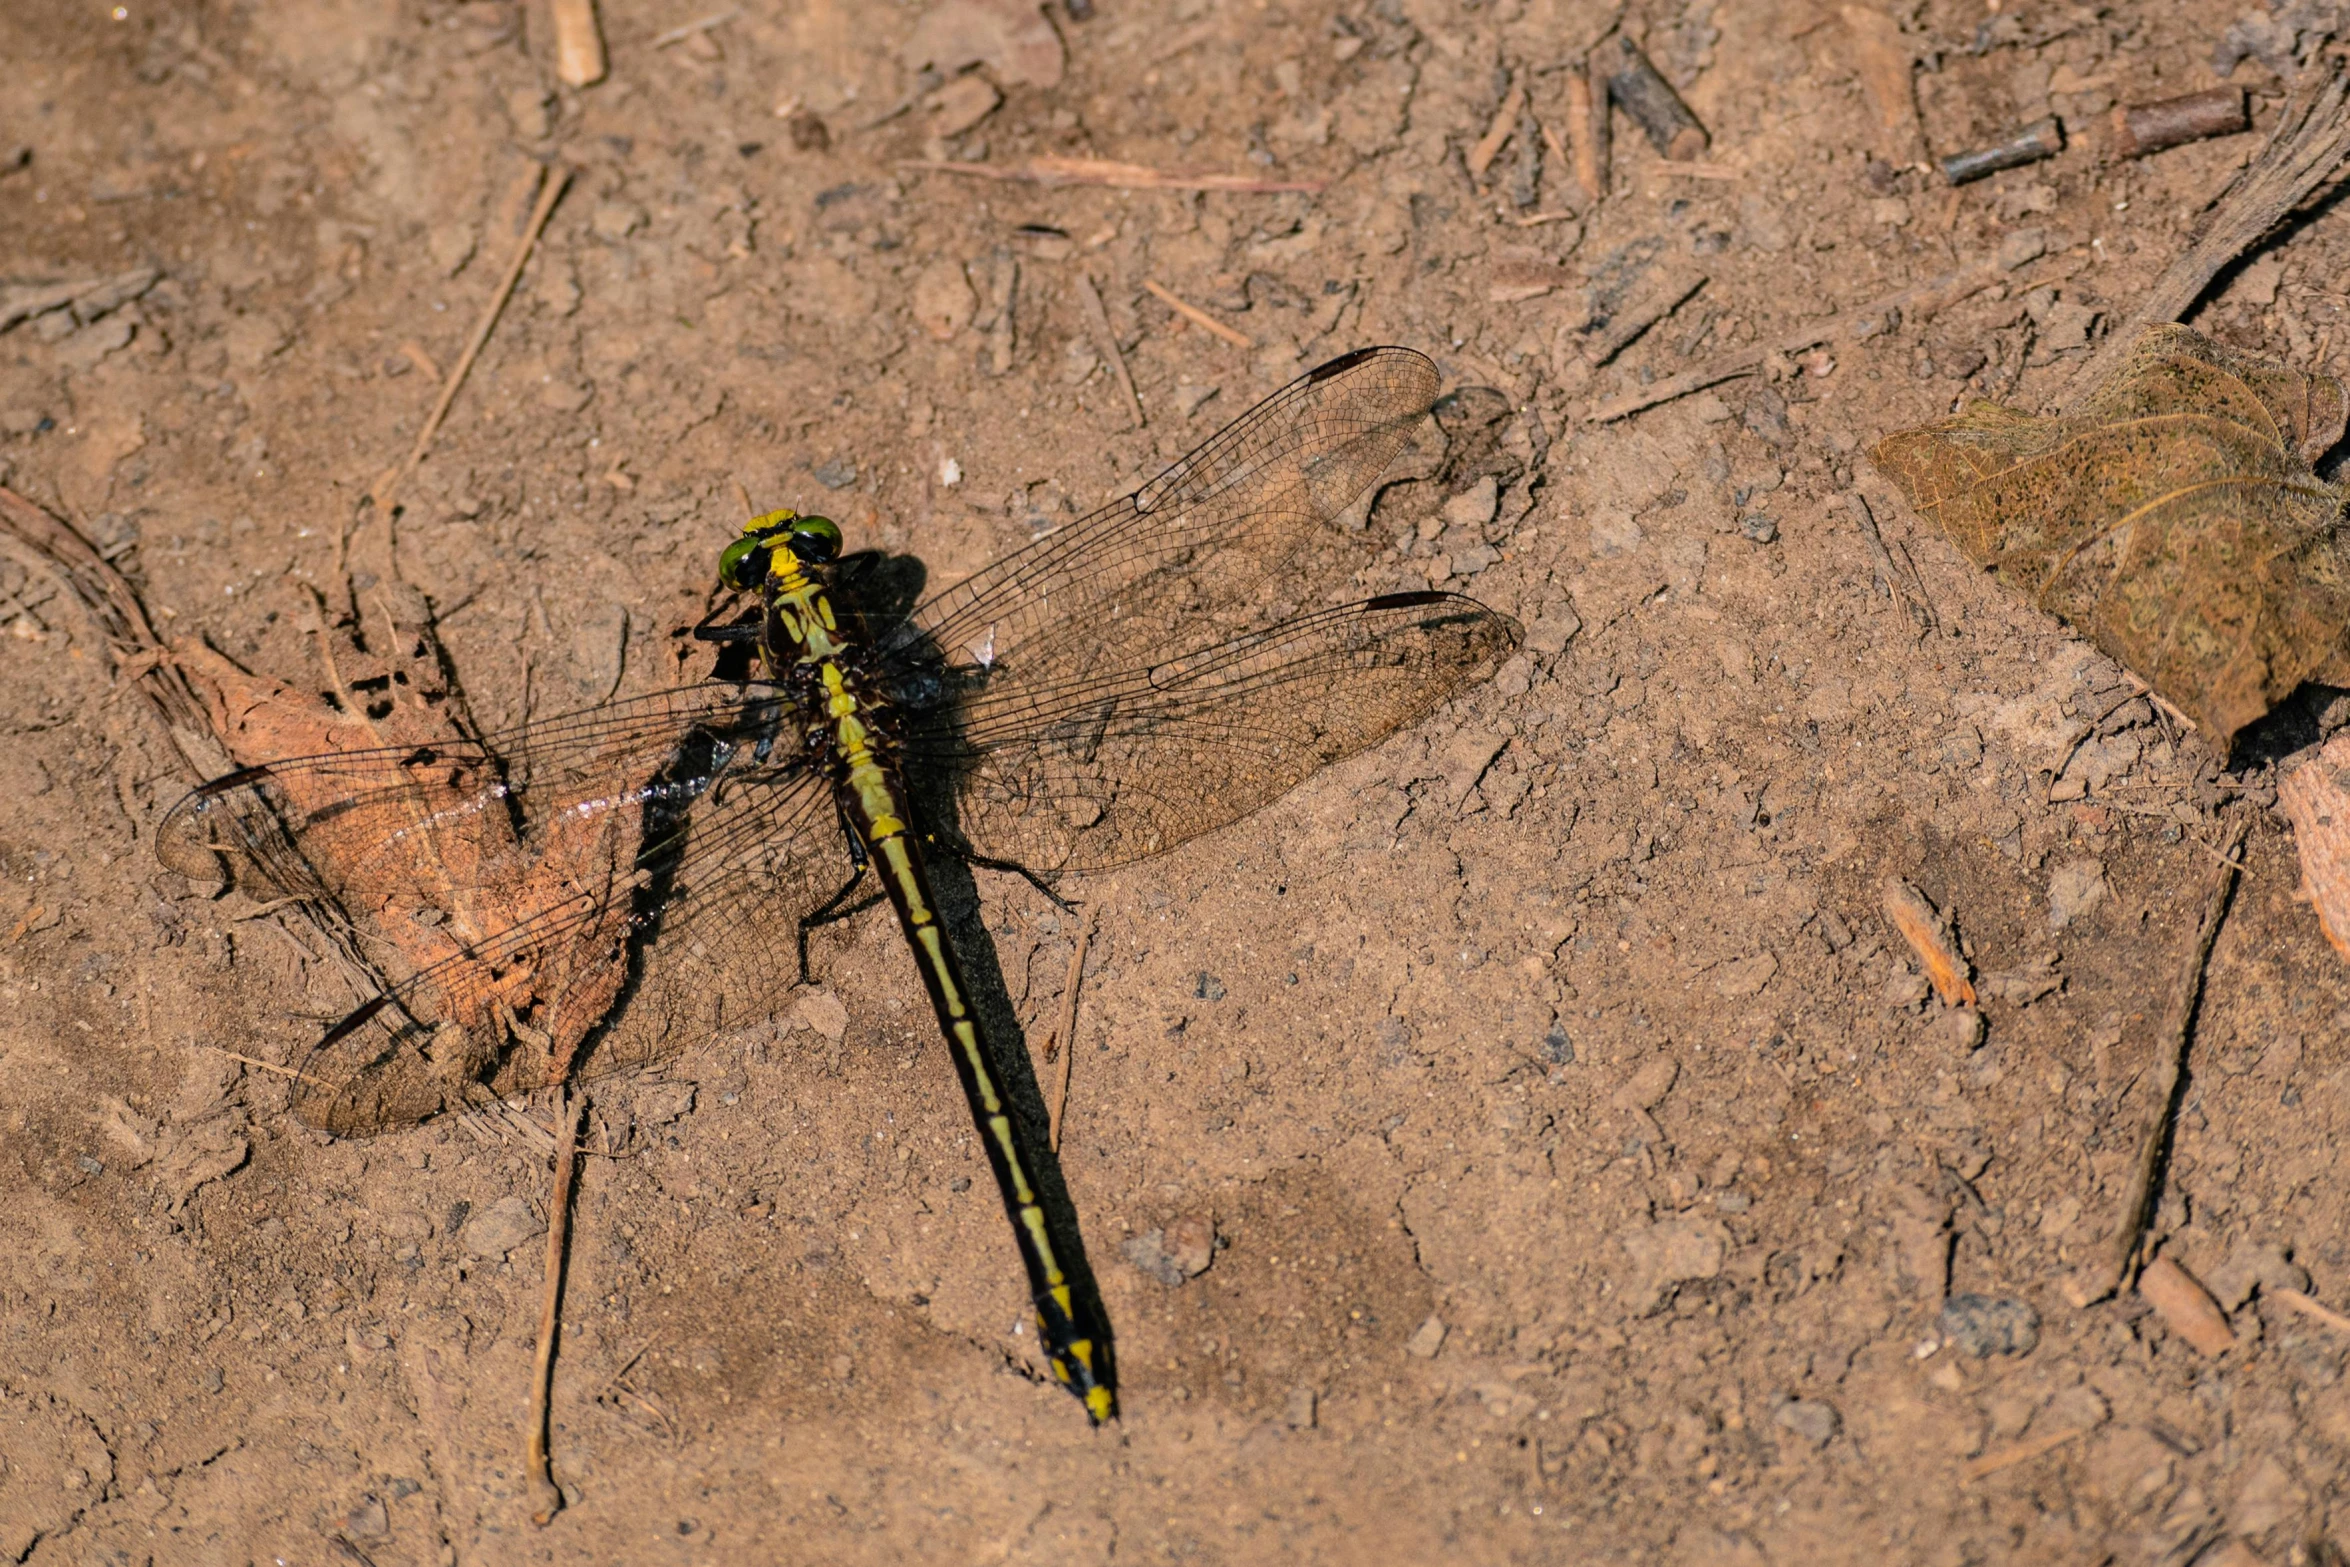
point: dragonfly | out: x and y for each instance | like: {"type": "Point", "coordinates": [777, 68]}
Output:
{"type": "Point", "coordinates": [596, 890]}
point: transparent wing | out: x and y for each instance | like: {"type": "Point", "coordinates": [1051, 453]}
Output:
{"type": "Point", "coordinates": [509, 894]}
{"type": "Point", "coordinates": [1092, 772]}
{"type": "Point", "coordinates": [1237, 536]}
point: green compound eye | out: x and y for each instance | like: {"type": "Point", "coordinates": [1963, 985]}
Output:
{"type": "Point", "coordinates": [815, 540]}
{"type": "Point", "coordinates": [742, 565]}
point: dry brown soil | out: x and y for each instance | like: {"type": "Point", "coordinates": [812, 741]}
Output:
{"type": "Point", "coordinates": [1587, 1164]}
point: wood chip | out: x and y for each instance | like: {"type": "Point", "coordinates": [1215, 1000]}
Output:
{"type": "Point", "coordinates": [1505, 120]}
{"type": "Point", "coordinates": [2315, 798]}
{"type": "Point", "coordinates": [579, 42]}
{"type": "Point", "coordinates": [2187, 1307]}
{"type": "Point", "coordinates": [1587, 133]}
{"type": "Point", "coordinates": [1927, 930]}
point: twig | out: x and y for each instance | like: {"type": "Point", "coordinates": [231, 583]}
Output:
{"type": "Point", "coordinates": [267, 1066]}
{"type": "Point", "coordinates": [680, 33]}
{"type": "Point", "coordinates": [1099, 320]}
{"type": "Point", "coordinates": [2101, 1278]}
{"type": "Point", "coordinates": [570, 1116]}
{"type": "Point", "coordinates": [2008, 1457]}
{"type": "Point", "coordinates": [1103, 171]}
{"type": "Point", "coordinates": [1068, 1032]}
{"type": "Point", "coordinates": [1497, 134]}
{"type": "Point", "coordinates": [1197, 317]}
{"type": "Point", "coordinates": [1587, 131]}
{"type": "Point", "coordinates": [2308, 144]}
{"type": "Point", "coordinates": [1924, 298]}
{"type": "Point", "coordinates": [579, 42]}
{"type": "Point", "coordinates": [2312, 1310]}
{"type": "Point", "coordinates": [555, 179]}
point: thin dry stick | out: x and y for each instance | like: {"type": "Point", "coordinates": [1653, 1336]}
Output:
{"type": "Point", "coordinates": [266, 1066]}
{"type": "Point", "coordinates": [2312, 1310]}
{"type": "Point", "coordinates": [1099, 319]}
{"type": "Point", "coordinates": [2006, 1457]}
{"type": "Point", "coordinates": [1104, 171]}
{"type": "Point", "coordinates": [555, 179]}
{"type": "Point", "coordinates": [1197, 317]}
{"type": "Point", "coordinates": [570, 1117]}
{"type": "Point", "coordinates": [2101, 1278]}
{"type": "Point", "coordinates": [579, 42]}
{"type": "Point", "coordinates": [1505, 123]}
{"type": "Point", "coordinates": [1068, 1032]}
{"type": "Point", "coordinates": [700, 24]}
{"type": "Point", "coordinates": [2305, 149]}
{"type": "Point", "coordinates": [1923, 299]}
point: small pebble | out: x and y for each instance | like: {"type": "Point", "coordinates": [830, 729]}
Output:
{"type": "Point", "coordinates": [1810, 1419]}
{"type": "Point", "coordinates": [1426, 1340]}
{"type": "Point", "coordinates": [1984, 1326]}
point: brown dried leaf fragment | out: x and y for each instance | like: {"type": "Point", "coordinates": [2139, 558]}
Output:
{"type": "Point", "coordinates": [2172, 518]}
{"type": "Point", "coordinates": [1927, 930]}
{"type": "Point", "coordinates": [2315, 797]}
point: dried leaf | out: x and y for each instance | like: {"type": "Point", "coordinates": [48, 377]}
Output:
{"type": "Point", "coordinates": [1927, 931]}
{"type": "Point", "coordinates": [2172, 518]}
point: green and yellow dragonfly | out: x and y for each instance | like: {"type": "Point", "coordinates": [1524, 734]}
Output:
{"type": "Point", "coordinates": [606, 887]}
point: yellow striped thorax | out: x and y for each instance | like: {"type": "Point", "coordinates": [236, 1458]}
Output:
{"type": "Point", "coordinates": [772, 557]}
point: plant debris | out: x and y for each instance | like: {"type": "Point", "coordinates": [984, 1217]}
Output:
{"type": "Point", "coordinates": [2172, 518]}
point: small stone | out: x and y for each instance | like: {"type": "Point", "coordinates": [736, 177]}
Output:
{"type": "Point", "coordinates": [1473, 507]}
{"type": "Point", "coordinates": [1646, 1088]}
{"type": "Point", "coordinates": [823, 1012]}
{"type": "Point", "coordinates": [2253, 1265]}
{"type": "Point", "coordinates": [1667, 1254]}
{"type": "Point", "coordinates": [1191, 1244]}
{"type": "Point", "coordinates": [1301, 1408]}
{"type": "Point", "coordinates": [1710, 409]}
{"type": "Point", "coordinates": [836, 473]}
{"type": "Point", "coordinates": [2076, 887]}
{"type": "Point", "coordinates": [842, 1368]}
{"type": "Point", "coordinates": [616, 220]}
{"type": "Point", "coordinates": [1426, 1339]}
{"type": "Point", "coordinates": [1189, 396]}
{"type": "Point", "coordinates": [1984, 1326]}
{"type": "Point", "coordinates": [450, 246]}
{"type": "Point", "coordinates": [1959, 1030]}
{"type": "Point", "coordinates": [367, 1519]}
{"type": "Point", "coordinates": [499, 1228]}
{"type": "Point", "coordinates": [658, 1104]}
{"type": "Point", "coordinates": [1614, 531]}
{"type": "Point", "coordinates": [527, 108]}
{"type": "Point", "coordinates": [1810, 1419]}
{"type": "Point", "coordinates": [962, 103]}
{"type": "Point", "coordinates": [1759, 528]}
{"type": "Point", "coordinates": [1742, 977]}
{"type": "Point", "coordinates": [1553, 629]}
{"type": "Point", "coordinates": [943, 301]}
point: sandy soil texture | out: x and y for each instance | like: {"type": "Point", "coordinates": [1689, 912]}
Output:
{"type": "Point", "coordinates": [1581, 1164]}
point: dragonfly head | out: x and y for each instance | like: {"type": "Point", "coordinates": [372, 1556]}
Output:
{"type": "Point", "coordinates": [811, 541]}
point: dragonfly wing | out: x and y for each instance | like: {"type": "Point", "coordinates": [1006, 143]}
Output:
{"type": "Point", "coordinates": [499, 893]}
{"type": "Point", "coordinates": [1241, 533]}
{"type": "Point", "coordinates": [1096, 772]}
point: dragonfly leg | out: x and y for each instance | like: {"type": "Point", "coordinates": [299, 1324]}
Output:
{"type": "Point", "coordinates": [831, 911]}
{"type": "Point", "coordinates": [970, 856]}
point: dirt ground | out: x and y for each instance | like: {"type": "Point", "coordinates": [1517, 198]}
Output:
{"type": "Point", "coordinates": [1592, 1176]}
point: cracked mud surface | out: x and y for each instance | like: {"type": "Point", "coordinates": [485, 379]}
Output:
{"type": "Point", "coordinates": [1586, 1164]}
